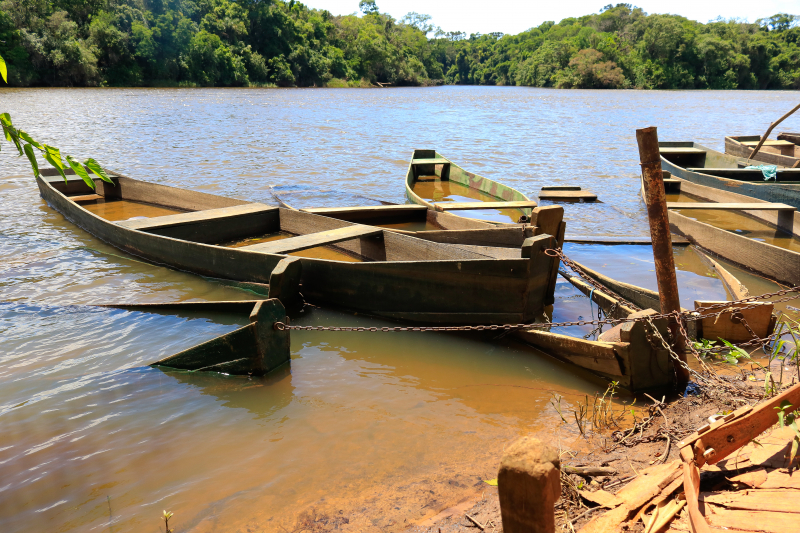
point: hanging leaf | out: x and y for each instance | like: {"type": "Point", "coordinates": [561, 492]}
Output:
{"type": "Point", "coordinates": [9, 131]}
{"type": "Point", "coordinates": [3, 69]}
{"type": "Point", "coordinates": [53, 156]}
{"type": "Point", "coordinates": [28, 139]}
{"type": "Point", "coordinates": [492, 482]}
{"type": "Point", "coordinates": [80, 171]}
{"type": "Point", "coordinates": [95, 167]}
{"type": "Point", "coordinates": [32, 158]}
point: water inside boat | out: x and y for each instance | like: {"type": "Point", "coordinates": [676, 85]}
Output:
{"type": "Point", "coordinates": [738, 223]}
{"type": "Point", "coordinates": [318, 252]}
{"type": "Point", "coordinates": [433, 189]}
{"type": "Point", "coordinates": [115, 209]}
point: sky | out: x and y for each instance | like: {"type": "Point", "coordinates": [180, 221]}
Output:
{"type": "Point", "coordinates": [515, 16]}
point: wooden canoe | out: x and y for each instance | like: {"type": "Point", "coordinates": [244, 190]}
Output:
{"type": "Point", "coordinates": [439, 184]}
{"type": "Point", "coordinates": [755, 234]}
{"type": "Point", "coordinates": [783, 151]}
{"type": "Point", "coordinates": [696, 163]}
{"type": "Point", "coordinates": [369, 269]}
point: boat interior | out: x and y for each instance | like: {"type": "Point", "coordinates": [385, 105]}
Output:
{"type": "Point", "coordinates": [780, 146]}
{"type": "Point", "coordinates": [445, 185]}
{"type": "Point", "coordinates": [209, 219]}
{"type": "Point", "coordinates": [697, 158]}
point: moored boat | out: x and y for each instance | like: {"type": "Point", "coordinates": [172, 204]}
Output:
{"type": "Point", "coordinates": [437, 183]}
{"type": "Point", "coordinates": [698, 164]}
{"type": "Point", "coordinates": [783, 151]}
{"type": "Point", "coordinates": [339, 263]}
{"type": "Point", "coordinates": [756, 234]}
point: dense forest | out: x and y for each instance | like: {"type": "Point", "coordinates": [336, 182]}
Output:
{"type": "Point", "coordinates": [285, 43]}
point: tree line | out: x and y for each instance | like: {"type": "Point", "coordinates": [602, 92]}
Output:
{"type": "Point", "coordinates": [285, 43]}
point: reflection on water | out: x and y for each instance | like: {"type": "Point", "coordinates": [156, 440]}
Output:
{"type": "Point", "coordinates": [117, 209]}
{"type": "Point", "coordinates": [433, 189]}
{"type": "Point", "coordinates": [386, 428]}
{"type": "Point", "coordinates": [738, 223]}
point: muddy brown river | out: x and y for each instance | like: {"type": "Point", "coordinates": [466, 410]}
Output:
{"type": "Point", "coordinates": [365, 431]}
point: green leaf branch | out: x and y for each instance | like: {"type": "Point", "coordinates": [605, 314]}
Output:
{"type": "Point", "coordinates": [27, 146]}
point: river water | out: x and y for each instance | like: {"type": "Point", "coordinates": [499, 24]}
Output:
{"type": "Point", "coordinates": [365, 431]}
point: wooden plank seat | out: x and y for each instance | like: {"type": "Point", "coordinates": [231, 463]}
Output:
{"type": "Point", "coordinates": [85, 198]}
{"type": "Point", "coordinates": [376, 209]}
{"type": "Point", "coordinates": [148, 224]}
{"type": "Point", "coordinates": [312, 240]}
{"type": "Point", "coordinates": [580, 195]}
{"type": "Point", "coordinates": [677, 150]}
{"type": "Point", "coordinates": [760, 206]}
{"type": "Point", "coordinates": [450, 206]}
{"type": "Point", "coordinates": [430, 161]}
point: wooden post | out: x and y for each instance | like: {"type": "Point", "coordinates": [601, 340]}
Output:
{"type": "Point", "coordinates": [529, 483]}
{"type": "Point", "coordinates": [655, 198]}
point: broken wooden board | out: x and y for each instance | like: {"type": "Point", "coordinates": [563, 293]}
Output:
{"type": "Point", "coordinates": [723, 325]}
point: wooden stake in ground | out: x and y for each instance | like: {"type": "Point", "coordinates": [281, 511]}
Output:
{"type": "Point", "coordinates": [662, 241]}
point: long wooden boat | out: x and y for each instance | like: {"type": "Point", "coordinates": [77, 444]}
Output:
{"type": "Point", "coordinates": [439, 184]}
{"type": "Point", "coordinates": [783, 151]}
{"type": "Point", "coordinates": [755, 234]}
{"type": "Point", "coordinates": [696, 163]}
{"type": "Point", "coordinates": [342, 264]}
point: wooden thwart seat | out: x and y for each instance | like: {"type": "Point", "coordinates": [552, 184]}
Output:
{"type": "Point", "coordinates": [430, 161]}
{"type": "Point", "coordinates": [312, 240]}
{"type": "Point", "coordinates": [378, 209]}
{"type": "Point", "coordinates": [450, 206]}
{"type": "Point", "coordinates": [195, 216]}
{"type": "Point", "coordinates": [85, 198]}
{"type": "Point", "coordinates": [760, 206]}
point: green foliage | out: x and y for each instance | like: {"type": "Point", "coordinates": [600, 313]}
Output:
{"type": "Point", "coordinates": [286, 43]}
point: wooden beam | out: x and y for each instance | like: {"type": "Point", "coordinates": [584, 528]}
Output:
{"type": "Point", "coordinates": [304, 242]}
{"type": "Point", "coordinates": [195, 216]}
{"type": "Point", "coordinates": [431, 161]}
{"type": "Point", "coordinates": [85, 198]}
{"type": "Point", "coordinates": [370, 209]}
{"type": "Point", "coordinates": [586, 196]}
{"type": "Point", "coordinates": [449, 206]}
{"type": "Point", "coordinates": [760, 206]}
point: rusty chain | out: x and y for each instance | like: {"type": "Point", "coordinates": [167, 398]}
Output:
{"type": "Point", "coordinates": [678, 316]}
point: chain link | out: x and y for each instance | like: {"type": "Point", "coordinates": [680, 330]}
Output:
{"type": "Point", "coordinates": [678, 316]}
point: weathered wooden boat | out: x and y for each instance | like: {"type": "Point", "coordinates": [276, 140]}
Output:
{"type": "Point", "coordinates": [439, 184]}
{"type": "Point", "coordinates": [755, 234]}
{"type": "Point", "coordinates": [783, 151]}
{"type": "Point", "coordinates": [701, 165]}
{"type": "Point", "coordinates": [340, 264]}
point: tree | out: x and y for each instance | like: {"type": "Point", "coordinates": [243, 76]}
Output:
{"type": "Point", "coordinates": [368, 7]}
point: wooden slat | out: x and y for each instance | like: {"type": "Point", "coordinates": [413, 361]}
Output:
{"type": "Point", "coordinates": [681, 150]}
{"type": "Point", "coordinates": [761, 206]}
{"type": "Point", "coordinates": [195, 216]}
{"type": "Point", "coordinates": [592, 355]}
{"type": "Point", "coordinates": [85, 198]}
{"type": "Point", "coordinates": [304, 242]}
{"type": "Point", "coordinates": [370, 209]}
{"type": "Point", "coordinates": [431, 161]}
{"type": "Point", "coordinates": [568, 195]}
{"type": "Point", "coordinates": [768, 143]}
{"type": "Point", "coordinates": [450, 206]}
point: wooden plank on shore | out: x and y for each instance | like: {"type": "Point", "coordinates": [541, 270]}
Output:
{"type": "Point", "coordinates": [450, 206]}
{"type": "Point", "coordinates": [195, 216]}
{"type": "Point", "coordinates": [760, 206]}
{"type": "Point", "coordinates": [323, 238]}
